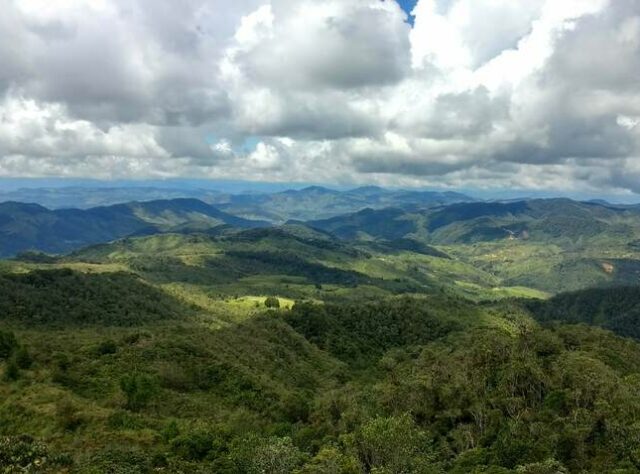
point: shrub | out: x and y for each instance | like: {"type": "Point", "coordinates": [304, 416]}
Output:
{"type": "Point", "coordinates": [8, 344]}
{"type": "Point", "coordinates": [22, 454]}
{"type": "Point", "coordinates": [23, 358]}
{"type": "Point", "coordinates": [274, 455]}
{"type": "Point", "coordinates": [139, 390]}
{"type": "Point", "coordinates": [193, 446]}
{"type": "Point", "coordinates": [11, 371]}
{"type": "Point", "coordinates": [272, 302]}
{"type": "Point", "coordinates": [67, 413]}
{"type": "Point", "coordinates": [107, 347]}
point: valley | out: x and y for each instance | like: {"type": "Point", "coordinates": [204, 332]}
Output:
{"type": "Point", "coordinates": [396, 340]}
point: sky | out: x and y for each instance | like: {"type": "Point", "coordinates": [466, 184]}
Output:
{"type": "Point", "coordinates": [528, 95]}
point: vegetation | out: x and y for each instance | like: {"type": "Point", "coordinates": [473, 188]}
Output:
{"type": "Point", "coordinates": [28, 227]}
{"type": "Point", "coordinates": [617, 309]}
{"type": "Point", "coordinates": [59, 297]}
{"type": "Point", "coordinates": [424, 343]}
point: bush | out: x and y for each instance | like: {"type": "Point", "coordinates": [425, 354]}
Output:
{"type": "Point", "coordinates": [11, 371]}
{"type": "Point", "coordinates": [8, 344]}
{"type": "Point", "coordinates": [22, 454]}
{"type": "Point", "coordinates": [23, 358]}
{"type": "Point", "coordinates": [272, 302]}
{"type": "Point", "coordinates": [139, 390]}
{"type": "Point", "coordinates": [117, 460]}
{"type": "Point", "coordinates": [193, 446]}
{"type": "Point", "coordinates": [107, 347]}
{"type": "Point", "coordinates": [274, 455]}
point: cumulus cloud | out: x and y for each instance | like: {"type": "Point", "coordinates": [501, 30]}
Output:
{"type": "Point", "coordinates": [539, 94]}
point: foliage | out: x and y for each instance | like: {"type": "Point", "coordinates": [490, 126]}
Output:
{"type": "Point", "coordinates": [11, 371]}
{"type": "Point", "coordinates": [8, 344]}
{"type": "Point", "coordinates": [616, 308]}
{"type": "Point", "coordinates": [139, 390]}
{"type": "Point", "coordinates": [22, 454]}
{"type": "Point", "coordinates": [177, 369]}
{"type": "Point", "coordinates": [272, 302]}
{"type": "Point", "coordinates": [66, 297]}
{"type": "Point", "coordinates": [357, 332]}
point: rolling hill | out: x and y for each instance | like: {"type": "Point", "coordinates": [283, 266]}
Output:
{"type": "Point", "coordinates": [26, 227]}
{"type": "Point", "coordinates": [393, 340]}
{"type": "Point", "coordinates": [551, 245]}
{"type": "Point", "coordinates": [536, 220]}
{"type": "Point", "coordinates": [616, 309]}
{"type": "Point", "coordinates": [317, 202]}
{"type": "Point", "coordinates": [160, 381]}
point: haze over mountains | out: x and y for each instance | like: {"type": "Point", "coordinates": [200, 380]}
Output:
{"type": "Point", "coordinates": [27, 226]}
{"type": "Point", "coordinates": [305, 203]}
{"type": "Point", "coordinates": [33, 227]}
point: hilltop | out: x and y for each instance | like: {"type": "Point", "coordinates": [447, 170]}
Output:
{"type": "Point", "coordinates": [32, 227]}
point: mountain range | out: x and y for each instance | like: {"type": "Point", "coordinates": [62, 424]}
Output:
{"type": "Point", "coordinates": [317, 202]}
{"type": "Point", "coordinates": [175, 336]}
{"type": "Point", "coordinates": [26, 227]}
{"type": "Point", "coordinates": [313, 202]}
{"type": "Point", "coordinates": [536, 220]}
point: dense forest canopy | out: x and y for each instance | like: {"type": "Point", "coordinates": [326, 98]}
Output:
{"type": "Point", "coordinates": [401, 340]}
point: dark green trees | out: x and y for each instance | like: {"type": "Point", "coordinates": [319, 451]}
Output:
{"type": "Point", "coordinates": [272, 302]}
{"type": "Point", "coordinates": [139, 389]}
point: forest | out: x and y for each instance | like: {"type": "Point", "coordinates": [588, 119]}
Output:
{"type": "Point", "coordinates": [385, 341]}
{"type": "Point", "coordinates": [130, 378]}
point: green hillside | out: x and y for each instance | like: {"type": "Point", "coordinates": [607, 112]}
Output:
{"type": "Point", "coordinates": [316, 202]}
{"type": "Point", "coordinates": [395, 346]}
{"type": "Point", "coordinates": [400, 384]}
{"type": "Point", "coordinates": [616, 309]}
{"type": "Point", "coordinates": [549, 245]}
{"type": "Point", "coordinates": [296, 262]}
{"type": "Point", "coordinates": [25, 227]}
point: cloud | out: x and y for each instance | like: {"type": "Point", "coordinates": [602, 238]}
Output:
{"type": "Point", "coordinates": [479, 93]}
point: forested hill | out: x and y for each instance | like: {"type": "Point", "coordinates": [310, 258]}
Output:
{"type": "Point", "coordinates": [317, 202]}
{"type": "Point", "coordinates": [105, 372]}
{"type": "Point", "coordinates": [617, 309]}
{"type": "Point", "coordinates": [32, 227]}
{"type": "Point", "coordinates": [542, 220]}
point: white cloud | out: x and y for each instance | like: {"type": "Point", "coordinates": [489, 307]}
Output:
{"type": "Point", "coordinates": [535, 94]}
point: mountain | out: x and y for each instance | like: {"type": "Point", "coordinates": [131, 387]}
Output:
{"type": "Point", "coordinates": [535, 220]}
{"type": "Point", "coordinates": [111, 372]}
{"type": "Point", "coordinates": [313, 202]}
{"type": "Point", "coordinates": [616, 309]}
{"type": "Point", "coordinates": [26, 227]}
{"type": "Point", "coordinates": [317, 202]}
{"type": "Point", "coordinates": [84, 197]}
{"type": "Point", "coordinates": [402, 346]}
{"type": "Point", "coordinates": [551, 245]}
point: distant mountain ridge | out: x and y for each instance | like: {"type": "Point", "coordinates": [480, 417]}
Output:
{"type": "Point", "coordinates": [317, 202]}
{"type": "Point", "coordinates": [78, 197]}
{"type": "Point", "coordinates": [25, 227]}
{"type": "Point", "coordinates": [538, 219]}
{"type": "Point", "coordinates": [312, 202]}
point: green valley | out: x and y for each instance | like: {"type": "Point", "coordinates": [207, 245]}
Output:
{"type": "Point", "coordinates": [435, 340]}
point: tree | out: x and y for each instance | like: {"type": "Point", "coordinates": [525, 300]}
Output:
{"type": "Point", "coordinates": [8, 344]}
{"type": "Point", "coordinates": [139, 390]}
{"type": "Point", "coordinates": [272, 302]}
{"type": "Point", "coordinates": [11, 371]}
{"type": "Point", "coordinates": [23, 358]}
{"type": "Point", "coordinates": [392, 444]}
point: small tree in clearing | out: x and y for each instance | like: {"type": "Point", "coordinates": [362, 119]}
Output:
{"type": "Point", "coordinates": [272, 302]}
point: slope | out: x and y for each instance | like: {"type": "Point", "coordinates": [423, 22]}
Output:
{"type": "Point", "coordinates": [32, 227]}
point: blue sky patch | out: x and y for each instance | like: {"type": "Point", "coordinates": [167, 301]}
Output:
{"type": "Point", "coordinates": [408, 5]}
